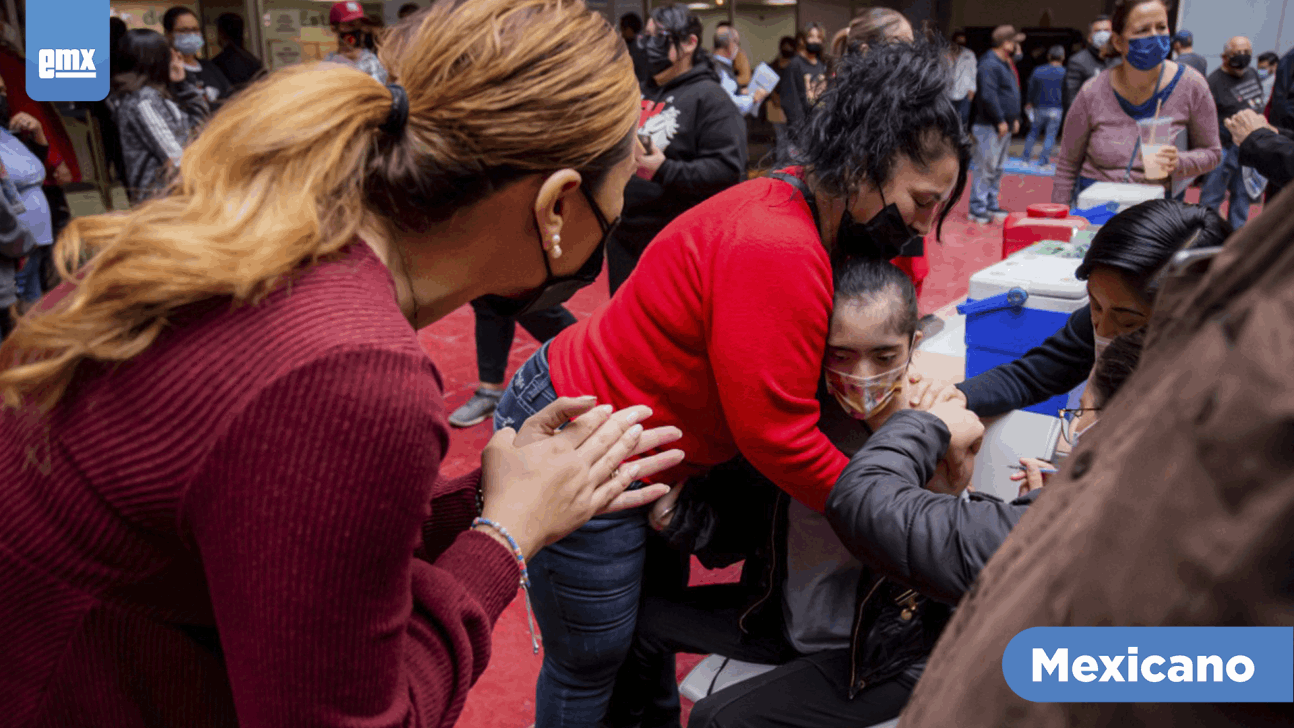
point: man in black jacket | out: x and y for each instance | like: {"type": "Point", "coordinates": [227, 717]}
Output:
{"type": "Point", "coordinates": [1088, 62]}
{"type": "Point", "coordinates": [235, 61]}
{"type": "Point", "coordinates": [698, 139]}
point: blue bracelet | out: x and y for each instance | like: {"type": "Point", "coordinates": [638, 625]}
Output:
{"type": "Point", "coordinates": [525, 575]}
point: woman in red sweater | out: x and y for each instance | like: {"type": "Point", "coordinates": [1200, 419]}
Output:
{"type": "Point", "coordinates": [220, 446]}
{"type": "Point", "coordinates": [722, 330]}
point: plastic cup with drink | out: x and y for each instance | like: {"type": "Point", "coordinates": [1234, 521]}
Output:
{"type": "Point", "coordinates": [1156, 133]}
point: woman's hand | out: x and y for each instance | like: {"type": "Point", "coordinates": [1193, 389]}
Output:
{"type": "Point", "coordinates": [649, 160]}
{"type": "Point", "coordinates": [924, 394]}
{"type": "Point", "coordinates": [551, 484]}
{"type": "Point", "coordinates": [24, 123]}
{"type": "Point", "coordinates": [1167, 157]}
{"type": "Point", "coordinates": [177, 66]}
{"type": "Point", "coordinates": [1032, 475]}
{"type": "Point", "coordinates": [662, 511]}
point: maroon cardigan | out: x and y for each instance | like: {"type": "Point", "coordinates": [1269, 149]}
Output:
{"type": "Point", "coordinates": [223, 531]}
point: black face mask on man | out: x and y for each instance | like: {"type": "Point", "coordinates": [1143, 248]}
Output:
{"type": "Point", "coordinates": [1239, 61]}
{"type": "Point", "coordinates": [657, 48]}
{"type": "Point", "coordinates": [558, 290]}
{"type": "Point", "coordinates": [885, 235]}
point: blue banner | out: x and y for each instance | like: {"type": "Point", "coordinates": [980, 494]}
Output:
{"type": "Point", "coordinates": [67, 50]}
{"type": "Point", "coordinates": [1152, 664]}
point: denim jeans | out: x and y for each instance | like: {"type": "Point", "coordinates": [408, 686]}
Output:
{"type": "Point", "coordinates": [1050, 119]}
{"type": "Point", "coordinates": [990, 156]}
{"type": "Point", "coordinates": [964, 111]}
{"type": "Point", "coordinates": [1223, 179]}
{"type": "Point", "coordinates": [584, 589]}
{"type": "Point", "coordinates": [31, 279]}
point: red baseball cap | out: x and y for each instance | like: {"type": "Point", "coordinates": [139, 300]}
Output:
{"type": "Point", "coordinates": [344, 12]}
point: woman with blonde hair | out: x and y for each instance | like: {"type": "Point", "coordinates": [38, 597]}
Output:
{"type": "Point", "coordinates": [221, 445]}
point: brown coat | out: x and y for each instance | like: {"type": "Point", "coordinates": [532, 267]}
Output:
{"type": "Point", "coordinates": [1178, 509]}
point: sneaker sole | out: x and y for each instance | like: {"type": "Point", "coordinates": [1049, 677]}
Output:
{"type": "Point", "coordinates": [468, 423]}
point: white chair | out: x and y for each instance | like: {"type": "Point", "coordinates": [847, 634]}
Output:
{"type": "Point", "coordinates": [717, 672]}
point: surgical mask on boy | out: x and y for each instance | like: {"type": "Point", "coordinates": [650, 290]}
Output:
{"type": "Point", "coordinates": [1100, 38]}
{"type": "Point", "coordinates": [863, 397]}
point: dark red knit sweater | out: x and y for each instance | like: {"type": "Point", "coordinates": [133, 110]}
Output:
{"type": "Point", "coordinates": [223, 531]}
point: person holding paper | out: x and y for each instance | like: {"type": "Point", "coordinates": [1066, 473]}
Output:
{"type": "Point", "coordinates": [727, 44]}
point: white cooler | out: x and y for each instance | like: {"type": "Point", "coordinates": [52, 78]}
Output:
{"type": "Point", "coordinates": [1125, 194]}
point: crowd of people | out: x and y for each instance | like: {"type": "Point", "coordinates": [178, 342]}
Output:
{"type": "Point", "coordinates": [221, 440]}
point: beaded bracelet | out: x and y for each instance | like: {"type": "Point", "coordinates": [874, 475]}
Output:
{"type": "Point", "coordinates": [525, 575]}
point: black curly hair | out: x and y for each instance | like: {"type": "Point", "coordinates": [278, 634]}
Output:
{"type": "Point", "coordinates": [887, 103]}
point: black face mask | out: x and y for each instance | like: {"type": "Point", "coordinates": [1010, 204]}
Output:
{"type": "Point", "coordinates": [1240, 61]}
{"type": "Point", "coordinates": [788, 52]}
{"type": "Point", "coordinates": [657, 48]}
{"type": "Point", "coordinates": [4, 111]}
{"type": "Point", "coordinates": [886, 235]}
{"type": "Point", "coordinates": [555, 290]}
{"type": "Point", "coordinates": [813, 48]}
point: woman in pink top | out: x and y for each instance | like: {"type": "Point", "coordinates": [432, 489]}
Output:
{"type": "Point", "coordinates": [1099, 142]}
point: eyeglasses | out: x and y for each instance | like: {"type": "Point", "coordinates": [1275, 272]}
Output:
{"type": "Point", "coordinates": [1067, 418]}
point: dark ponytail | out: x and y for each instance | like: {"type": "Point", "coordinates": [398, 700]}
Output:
{"type": "Point", "coordinates": [1140, 241]}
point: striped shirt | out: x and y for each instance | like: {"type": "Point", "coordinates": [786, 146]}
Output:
{"type": "Point", "coordinates": [154, 128]}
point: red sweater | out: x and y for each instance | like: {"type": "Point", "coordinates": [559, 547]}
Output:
{"type": "Point", "coordinates": [721, 330]}
{"type": "Point", "coordinates": [267, 472]}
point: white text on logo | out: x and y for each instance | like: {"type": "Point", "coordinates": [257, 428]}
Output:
{"type": "Point", "coordinates": [66, 63]}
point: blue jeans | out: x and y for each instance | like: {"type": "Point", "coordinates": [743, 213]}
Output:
{"type": "Point", "coordinates": [30, 278]}
{"type": "Point", "coordinates": [990, 156]}
{"type": "Point", "coordinates": [1050, 119]}
{"type": "Point", "coordinates": [963, 110]}
{"type": "Point", "coordinates": [1227, 178]}
{"type": "Point", "coordinates": [584, 588]}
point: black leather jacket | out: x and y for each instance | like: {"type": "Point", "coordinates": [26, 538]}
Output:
{"type": "Point", "coordinates": [901, 606]}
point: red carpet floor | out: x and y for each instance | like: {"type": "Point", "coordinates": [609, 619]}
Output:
{"type": "Point", "coordinates": [504, 696]}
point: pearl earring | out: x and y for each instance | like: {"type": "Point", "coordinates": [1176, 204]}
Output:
{"type": "Point", "coordinates": [556, 249]}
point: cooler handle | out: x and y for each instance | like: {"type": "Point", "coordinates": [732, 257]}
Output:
{"type": "Point", "coordinates": [1013, 298]}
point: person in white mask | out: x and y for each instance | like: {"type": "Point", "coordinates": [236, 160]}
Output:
{"type": "Point", "coordinates": [1093, 59]}
{"type": "Point", "coordinates": [185, 35]}
{"type": "Point", "coordinates": [1122, 269]}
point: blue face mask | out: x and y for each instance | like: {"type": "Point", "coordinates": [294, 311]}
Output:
{"type": "Point", "coordinates": [1147, 53]}
{"type": "Point", "coordinates": [188, 43]}
{"type": "Point", "coordinates": [1264, 74]}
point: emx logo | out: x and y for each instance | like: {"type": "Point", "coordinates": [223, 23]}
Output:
{"type": "Point", "coordinates": [67, 63]}
{"type": "Point", "coordinates": [67, 50]}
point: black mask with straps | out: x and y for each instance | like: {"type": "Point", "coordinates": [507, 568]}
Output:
{"type": "Point", "coordinates": [558, 290]}
{"type": "Point", "coordinates": [657, 48]}
{"type": "Point", "coordinates": [885, 236]}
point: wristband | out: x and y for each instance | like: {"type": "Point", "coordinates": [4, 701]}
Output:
{"type": "Point", "coordinates": [525, 575]}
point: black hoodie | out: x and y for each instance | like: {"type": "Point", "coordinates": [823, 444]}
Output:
{"type": "Point", "coordinates": [703, 136]}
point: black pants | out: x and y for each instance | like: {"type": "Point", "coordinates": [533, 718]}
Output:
{"type": "Point", "coordinates": [494, 335]}
{"type": "Point", "coordinates": [808, 691]}
{"type": "Point", "coordinates": [6, 323]}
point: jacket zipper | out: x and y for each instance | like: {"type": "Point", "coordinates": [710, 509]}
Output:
{"type": "Point", "coordinates": [772, 570]}
{"type": "Point", "coordinates": [854, 683]}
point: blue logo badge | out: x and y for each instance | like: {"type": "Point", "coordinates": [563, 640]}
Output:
{"type": "Point", "coordinates": [1152, 664]}
{"type": "Point", "coordinates": [67, 50]}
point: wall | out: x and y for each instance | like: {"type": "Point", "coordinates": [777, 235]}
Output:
{"type": "Point", "coordinates": [1269, 25]}
{"type": "Point", "coordinates": [761, 28]}
{"type": "Point", "coordinates": [1024, 13]}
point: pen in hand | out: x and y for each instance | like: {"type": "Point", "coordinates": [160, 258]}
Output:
{"type": "Point", "coordinates": [1044, 471]}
